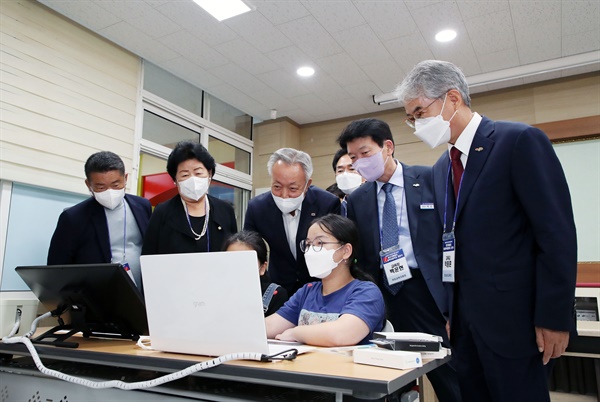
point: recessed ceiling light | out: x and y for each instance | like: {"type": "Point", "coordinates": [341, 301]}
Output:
{"type": "Point", "coordinates": [446, 35]}
{"type": "Point", "coordinates": [223, 9]}
{"type": "Point", "coordinates": [305, 71]}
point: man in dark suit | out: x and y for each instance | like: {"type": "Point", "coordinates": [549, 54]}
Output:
{"type": "Point", "coordinates": [416, 299]}
{"type": "Point", "coordinates": [107, 227]}
{"type": "Point", "coordinates": [282, 217]}
{"type": "Point", "coordinates": [510, 243]}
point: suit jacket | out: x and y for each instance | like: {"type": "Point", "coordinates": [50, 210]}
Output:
{"type": "Point", "coordinates": [264, 217]}
{"type": "Point", "coordinates": [425, 230]}
{"type": "Point", "coordinates": [81, 234]}
{"type": "Point", "coordinates": [516, 247]}
{"type": "Point", "coordinates": [169, 231]}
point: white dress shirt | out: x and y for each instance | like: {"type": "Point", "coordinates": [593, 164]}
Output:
{"type": "Point", "coordinates": [405, 241]}
{"type": "Point", "coordinates": [290, 224]}
{"type": "Point", "coordinates": [465, 139]}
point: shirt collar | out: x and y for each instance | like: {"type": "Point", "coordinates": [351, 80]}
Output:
{"type": "Point", "coordinates": [397, 178]}
{"type": "Point", "coordinates": [465, 139]}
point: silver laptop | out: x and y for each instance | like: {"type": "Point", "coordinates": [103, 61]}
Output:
{"type": "Point", "coordinates": [204, 303]}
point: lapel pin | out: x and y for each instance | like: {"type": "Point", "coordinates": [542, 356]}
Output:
{"type": "Point", "coordinates": [416, 185]}
{"type": "Point", "coordinates": [479, 149]}
{"type": "Point", "coordinates": [219, 228]}
{"type": "Point", "coordinates": [313, 214]}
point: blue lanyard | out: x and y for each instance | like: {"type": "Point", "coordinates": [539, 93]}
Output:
{"type": "Point", "coordinates": [124, 229]}
{"type": "Point", "coordinates": [399, 224]}
{"type": "Point", "coordinates": [446, 197]}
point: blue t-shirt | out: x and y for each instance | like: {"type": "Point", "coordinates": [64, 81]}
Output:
{"type": "Point", "coordinates": [360, 298]}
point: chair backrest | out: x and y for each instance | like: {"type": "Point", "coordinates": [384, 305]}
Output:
{"type": "Point", "coordinates": [388, 327]}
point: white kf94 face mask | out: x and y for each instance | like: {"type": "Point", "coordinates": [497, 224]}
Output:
{"type": "Point", "coordinates": [348, 182]}
{"type": "Point", "coordinates": [321, 263]}
{"type": "Point", "coordinates": [194, 187]}
{"type": "Point", "coordinates": [109, 198]}
{"type": "Point", "coordinates": [434, 131]}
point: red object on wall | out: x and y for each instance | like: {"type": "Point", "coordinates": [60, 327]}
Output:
{"type": "Point", "coordinates": [158, 188]}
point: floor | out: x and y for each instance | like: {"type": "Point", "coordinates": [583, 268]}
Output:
{"type": "Point", "coordinates": [563, 397]}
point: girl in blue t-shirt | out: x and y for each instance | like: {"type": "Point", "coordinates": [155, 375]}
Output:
{"type": "Point", "coordinates": [341, 309]}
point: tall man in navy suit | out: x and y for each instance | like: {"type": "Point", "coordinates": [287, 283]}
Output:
{"type": "Point", "coordinates": [415, 298]}
{"type": "Point", "coordinates": [107, 227]}
{"type": "Point", "coordinates": [509, 241]}
{"type": "Point", "coordinates": [282, 216]}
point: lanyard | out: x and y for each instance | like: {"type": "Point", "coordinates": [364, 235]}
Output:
{"type": "Point", "coordinates": [399, 224]}
{"type": "Point", "coordinates": [446, 198]}
{"type": "Point", "coordinates": [124, 229]}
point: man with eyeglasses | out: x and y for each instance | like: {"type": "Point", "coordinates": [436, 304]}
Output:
{"type": "Point", "coordinates": [282, 217]}
{"type": "Point", "coordinates": [509, 243]}
{"type": "Point", "coordinates": [399, 228]}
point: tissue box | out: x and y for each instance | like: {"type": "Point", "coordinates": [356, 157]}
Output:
{"type": "Point", "coordinates": [397, 359]}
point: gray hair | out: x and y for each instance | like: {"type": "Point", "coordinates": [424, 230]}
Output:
{"type": "Point", "coordinates": [289, 156]}
{"type": "Point", "coordinates": [432, 79]}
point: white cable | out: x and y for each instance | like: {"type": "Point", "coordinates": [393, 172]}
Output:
{"type": "Point", "coordinates": [116, 383]}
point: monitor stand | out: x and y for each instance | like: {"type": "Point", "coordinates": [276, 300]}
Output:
{"type": "Point", "coordinates": [57, 337]}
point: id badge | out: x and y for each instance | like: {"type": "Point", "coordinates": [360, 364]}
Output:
{"type": "Point", "coordinates": [395, 265]}
{"type": "Point", "coordinates": [448, 242]}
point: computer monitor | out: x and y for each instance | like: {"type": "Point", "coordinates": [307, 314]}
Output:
{"type": "Point", "coordinates": [94, 299]}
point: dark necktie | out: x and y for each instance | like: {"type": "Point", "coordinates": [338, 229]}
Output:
{"type": "Point", "coordinates": [457, 168]}
{"type": "Point", "coordinates": [344, 208]}
{"type": "Point", "coordinates": [389, 230]}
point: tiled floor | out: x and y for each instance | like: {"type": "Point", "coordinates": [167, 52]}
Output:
{"type": "Point", "coordinates": [563, 397]}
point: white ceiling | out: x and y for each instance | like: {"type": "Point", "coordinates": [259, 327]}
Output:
{"type": "Point", "coordinates": [359, 48]}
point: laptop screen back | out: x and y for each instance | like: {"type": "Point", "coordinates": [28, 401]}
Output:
{"type": "Point", "coordinates": [204, 303]}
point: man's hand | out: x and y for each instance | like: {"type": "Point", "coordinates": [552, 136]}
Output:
{"type": "Point", "coordinates": [552, 343]}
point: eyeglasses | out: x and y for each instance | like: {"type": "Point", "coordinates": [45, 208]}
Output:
{"type": "Point", "coordinates": [317, 245]}
{"type": "Point", "coordinates": [410, 122]}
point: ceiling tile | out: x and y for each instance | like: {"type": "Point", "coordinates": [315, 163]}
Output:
{"type": "Point", "coordinates": [499, 60]}
{"type": "Point", "coordinates": [479, 8]}
{"type": "Point", "coordinates": [434, 18]}
{"type": "Point", "coordinates": [290, 58]}
{"type": "Point", "coordinates": [232, 95]}
{"type": "Point", "coordinates": [245, 55]}
{"type": "Point", "coordinates": [417, 5]}
{"type": "Point", "coordinates": [491, 38]}
{"type": "Point", "coordinates": [138, 42]}
{"type": "Point", "coordinates": [311, 37]}
{"type": "Point", "coordinates": [88, 14]}
{"type": "Point", "coordinates": [327, 89]}
{"type": "Point", "coordinates": [313, 104]}
{"type": "Point", "coordinates": [199, 23]}
{"type": "Point", "coordinates": [535, 19]}
{"type": "Point", "coordinates": [239, 78]}
{"type": "Point", "coordinates": [342, 69]}
{"type": "Point", "coordinates": [581, 42]}
{"type": "Point", "coordinates": [350, 107]}
{"type": "Point", "coordinates": [336, 15]}
{"type": "Point", "coordinates": [283, 82]}
{"type": "Point", "coordinates": [363, 91]}
{"type": "Point", "coordinates": [258, 31]}
{"type": "Point", "coordinates": [385, 74]}
{"type": "Point", "coordinates": [194, 49]}
{"type": "Point", "coordinates": [580, 16]}
{"type": "Point", "coordinates": [409, 50]}
{"type": "Point", "coordinates": [362, 45]}
{"type": "Point", "coordinates": [387, 19]}
{"type": "Point", "coordinates": [279, 12]}
{"type": "Point", "coordinates": [539, 48]}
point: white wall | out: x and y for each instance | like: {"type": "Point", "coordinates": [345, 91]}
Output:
{"type": "Point", "coordinates": [65, 93]}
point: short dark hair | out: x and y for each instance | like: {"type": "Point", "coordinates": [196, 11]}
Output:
{"type": "Point", "coordinates": [377, 129]}
{"type": "Point", "coordinates": [102, 162]}
{"type": "Point", "coordinates": [336, 158]}
{"type": "Point", "coordinates": [186, 150]}
{"type": "Point", "coordinates": [345, 231]}
{"type": "Point", "coordinates": [252, 240]}
{"type": "Point", "coordinates": [335, 190]}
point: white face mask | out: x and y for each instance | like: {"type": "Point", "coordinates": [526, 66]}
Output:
{"type": "Point", "coordinates": [287, 205]}
{"type": "Point", "coordinates": [348, 182]}
{"type": "Point", "coordinates": [194, 187]}
{"type": "Point", "coordinates": [320, 264]}
{"type": "Point", "coordinates": [110, 198]}
{"type": "Point", "coordinates": [434, 131]}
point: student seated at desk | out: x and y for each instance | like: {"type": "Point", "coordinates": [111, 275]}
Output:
{"type": "Point", "coordinates": [342, 309]}
{"type": "Point", "coordinates": [274, 295]}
